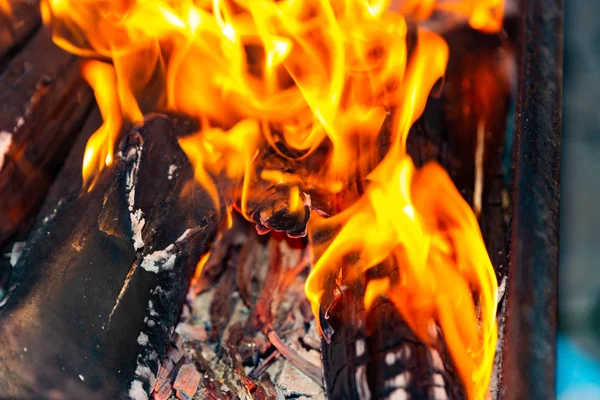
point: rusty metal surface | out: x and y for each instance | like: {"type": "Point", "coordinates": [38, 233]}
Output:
{"type": "Point", "coordinates": [529, 354]}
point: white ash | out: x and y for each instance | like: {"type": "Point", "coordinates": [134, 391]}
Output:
{"type": "Point", "coordinates": [15, 253]}
{"type": "Point", "coordinates": [362, 385]}
{"type": "Point", "coordinates": [185, 235]}
{"type": "Point", "coordinates": [161, 260]}
{"type": "Point", "coordinates": [158, 290]}
{"type": "Point", "coordinates": [290, 377]}
{"type": "Point", "coordinates": [402, 354]}
{"type": "Point", "coordinates": [501, 291]}
{"type": "Point", "coordinates": [142, 339]}
{"type": "Point", "coordinates": [436, 360]}
{"type": "Point", "coordinates": [360, 347]}
{"type": "Point", "coordinates": [148, 357]}
{"type": "Point", "coordinates": [438, 380]}
{"type": "Point", "coordinates": [151, 309]}
{"type": "Point", "coordinates": [399, 381]}
{"type": "Point", "coordinates": [137, 224]}
{"type": "Point", "coordinates": [399, 394]}
{"type": "Point", "coordinates": [439, 393]}
{"type": "Point", "coordinates": [164, 260]}
{"type": "Point", "coordinates": [52, 215]}
{"type": "Point", "coordinates": [5, 142]}
{"type": "Point", "coordinates": [144, 373]}
{"type": "Point", "coordinates": [171, 171]}
{"type": "Point", "coordinates": [137, 392]}
{"type": "Point", "coordinates": [136, 215]}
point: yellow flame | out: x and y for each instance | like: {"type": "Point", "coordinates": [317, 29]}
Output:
{"type": "Point", "coordinates": [99, 149]}
{"type": "Point", "coordinates": [485, 15]}
{"type": "Point", "coordinates": [307, 76]}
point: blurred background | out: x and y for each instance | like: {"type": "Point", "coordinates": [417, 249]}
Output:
{"type": "Point", "coordinates": [578, 375]}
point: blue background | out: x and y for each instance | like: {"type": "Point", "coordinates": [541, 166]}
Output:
{"type": "Point", "coordinates": [578, 374]}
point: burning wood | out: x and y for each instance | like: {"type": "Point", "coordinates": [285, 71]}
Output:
{"type": "Point", "coordinates": [43, 101]}
{"type": "Point", "coordinates": [306, 123]}
{"type": "Point", "coordinates": [110, 313]}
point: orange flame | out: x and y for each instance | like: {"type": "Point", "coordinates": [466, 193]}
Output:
{"type": "Point", "coordinates": [307, 75]}
{"type": "Point", "coordinates": [99, 148]}
{"type": "Point", "coordinates": [5, 8]}
{"type": "Point", "coordinates": [484, 15]}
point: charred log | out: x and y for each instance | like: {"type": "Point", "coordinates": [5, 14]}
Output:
{"type": "Point", "coordinates": [355, 350]}
{"type": "Point", "coordinates": [100, 284]}
{"type": "Point", "coordinates": [43, 104]}
{"type": "Point", "coordinates": [377, 356]}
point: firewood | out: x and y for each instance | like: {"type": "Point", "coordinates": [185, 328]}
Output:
{"type": "Point", "coordinates": [375, 354]}
{"type": "Point", "coordinates": [43, 104]}
{"type": "Point", "coordinates": [88, 314]}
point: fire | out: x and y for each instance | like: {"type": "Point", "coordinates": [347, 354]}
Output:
{"type": "Point", "coordinates": [99, 149]}
{"type": "Point", "coordinates": [5, 7]}
{"type": "Point", "coordinates": [307, 76]}
{"type": "Point", "coordinates": [484, 15]}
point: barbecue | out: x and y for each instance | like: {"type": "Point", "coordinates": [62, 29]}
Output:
{"type": "Point", "coordinates": [279, 199]}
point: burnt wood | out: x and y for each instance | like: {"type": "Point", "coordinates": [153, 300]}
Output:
{"type": "Point", "coordinates": [477, 88]}
{"type": "Point", "coordinates": [90, 310]}
{"type": "Point", "coordinates": [529, 354]}
{"type": "Point", "coordinates": [17, 27]}
{"type": "Point", "coordinates": [43, 104]}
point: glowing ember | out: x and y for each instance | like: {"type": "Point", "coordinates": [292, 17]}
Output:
{"type": "Point", "coordinates": [308, 75]}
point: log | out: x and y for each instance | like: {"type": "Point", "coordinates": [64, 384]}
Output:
{"type": "Point", "coordinates": [378, 356]}
{"type": "Point", "coordinates": [43, 104]}
{"type": "Point", "coordinates": [17, 26]}
{"type": "Point", "coordinates": [358, 346]}
{"type": "Point", "coordinates": [99, 287]}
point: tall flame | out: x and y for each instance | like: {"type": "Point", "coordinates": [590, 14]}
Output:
{"type": "Point", "coordinates": [307, 75]}
{"type": "Point", "coordinates": [99, 148]}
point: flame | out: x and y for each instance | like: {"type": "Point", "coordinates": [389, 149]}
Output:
{"type": "Point", "coordinates": [484, 15]}
{"type": "Point", "coordinates": [300, 77]}
{"type": "Point", "coordinates": [99, 148]}
{"type": "Point", "coordinates": [5, 8]}
{"type": "Point", "coordinates": [200, 266]}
